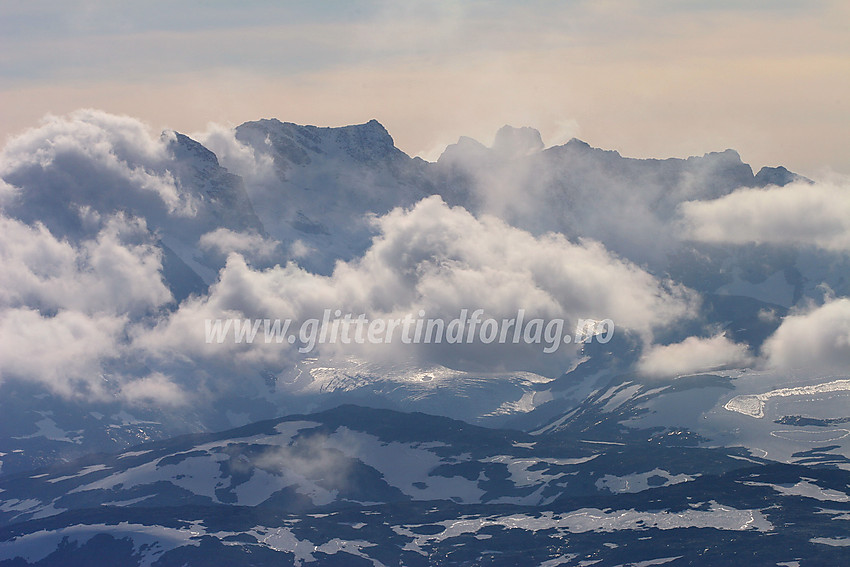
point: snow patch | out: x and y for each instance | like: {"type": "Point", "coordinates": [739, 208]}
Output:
{"type": "Point", "coordinates": [753, 404]}
{"type": "Point", "coordinates": [639, 482]}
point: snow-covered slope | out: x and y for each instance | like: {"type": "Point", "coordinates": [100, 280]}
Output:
{"type": "Point", "coordinates": [358, 486]}
{"type": "Point", "coordinates": [776, 416]}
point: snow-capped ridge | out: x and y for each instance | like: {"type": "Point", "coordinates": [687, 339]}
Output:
{"type": "Point", "coordinates": [185, 148]}
{"type": "Point", "coordinates": [295, 143]}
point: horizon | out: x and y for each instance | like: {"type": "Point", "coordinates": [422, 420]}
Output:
{"type": "Point", "coordinates": [201, 135]}
{"type": "Point", "coordinates": [656, 80]}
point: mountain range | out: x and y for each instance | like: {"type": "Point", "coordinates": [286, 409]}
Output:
{"type": "Point", "coordinates": [712, 422]}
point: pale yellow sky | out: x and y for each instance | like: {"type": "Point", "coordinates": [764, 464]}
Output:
{"type": "Point", "coordinates": [651, 79]}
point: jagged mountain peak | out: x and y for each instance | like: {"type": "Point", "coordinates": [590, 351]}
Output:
{"type": "Point", "coordinates": [515, 142]}
{"type": "Point", "coordinates": [579, 147]}
{"type": "Point", "coordinates": [778, 176]}
{"type": "Point", "coordinates": [576, 143]}
{"type": "Point", "coordinates": [510, 142]}
{"type": "Point", "coordinates": [465, 149]}
{"type": "Point", "coordinates": [185, 148]}
{"type": "Point", "coordinates": [365, 142]}
{"type": "Point", "coordinates": [727, 156]}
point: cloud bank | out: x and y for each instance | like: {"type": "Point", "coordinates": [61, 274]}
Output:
{"type": "Point", "coordinates": [812, 341]}
{"type": "Point", "coordinates": [440, 260]}
{"type": "Point", "coordinates": [80, 262]}
{"type": "Point", "coordinates": [798, 214]}
{"type": "Point", "coordinates": [102, 221]}
{"type": "Point", "coordinates": [693, 355]}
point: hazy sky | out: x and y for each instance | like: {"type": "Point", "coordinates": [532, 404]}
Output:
{"type": "Point", "coordinates": [654, 78]}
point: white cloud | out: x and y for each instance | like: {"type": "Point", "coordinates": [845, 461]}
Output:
{"type": "Point", "coordinates": [77, 266]}
{"type": "Point", "coordinates": [116, 272]}
{"type": "Point", "coordinates": [7, 193]}
{"type": "Point", "coordinates": [440, 260]}
{"type": "Point", "coordinates": [92, 151]}
{"type": "Point", "coordinates": [581, 191]}
{"type": "Point", "coordinates": [299, 249]}
{"type": "Point", "coordinates": [313, 457]}
{"type": "Point", "coordinates": [235, 156]}
{"type": "Point", "coordinates": [156, 388]}
{"type": "Point", "coordinates": [64, 307]}
{"type": "Point", "coordinates": [796, 214]}
{"type": "Point", "coordinates": [692, 355]}
{"type": "Point", "coordinates": [817, 340]}
{"type": "Point", "coordinates": [64, 352]}
{"type": "Point", "coordinates": [249, 244]}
